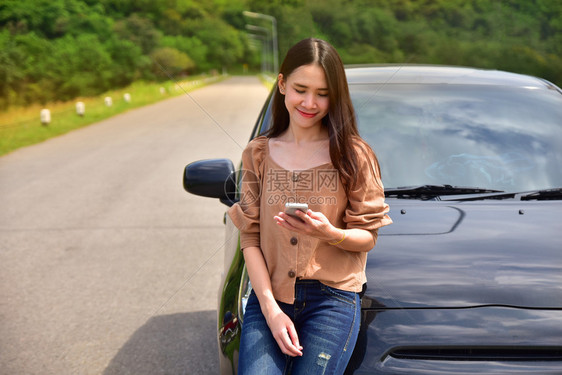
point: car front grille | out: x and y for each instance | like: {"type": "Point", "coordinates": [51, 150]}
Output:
{"type": "Point", "coordinates": [479, 353]}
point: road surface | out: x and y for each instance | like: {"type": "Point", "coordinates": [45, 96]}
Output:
{"type": "Point", "coordinates": [106, 265]}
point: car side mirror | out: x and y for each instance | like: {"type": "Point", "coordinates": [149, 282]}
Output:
{"type": "Point", "coordinates": [213, 178]}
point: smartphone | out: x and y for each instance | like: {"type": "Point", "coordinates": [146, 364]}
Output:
{"type": "Point", "coordinates": [291, 208]}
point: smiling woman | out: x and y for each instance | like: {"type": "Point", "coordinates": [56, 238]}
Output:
{"type": "Point", "coordinates": [306, 95]}
{"type": "Point", "coordinates": [307, 271]}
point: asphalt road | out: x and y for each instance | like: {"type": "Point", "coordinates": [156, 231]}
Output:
{"type": "Point", "coordinates": [106, 265]}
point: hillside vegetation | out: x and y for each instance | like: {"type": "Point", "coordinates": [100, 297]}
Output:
{"type": "Point", "coordinates": [60, 49]}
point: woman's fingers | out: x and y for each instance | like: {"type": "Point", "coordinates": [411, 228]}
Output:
{"type": "Point", "coordinates": [294, 222]}
{"type": "Point", "coordinates": [286, 340]}
{"type": "Point", "coordinates": [319, 216]}
{"type": "Point", "coordinates": [295, 339]}
{"type": "Point", "coordinates": [286, 221]}
{"type": "Point", "coordinates": [311, 223]}
{"type": "Point", "coordinates": [285, 334]}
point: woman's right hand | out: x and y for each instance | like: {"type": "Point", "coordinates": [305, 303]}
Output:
{"type": "Point", "coordinates": [284, 332]}
{"type": "Point", "coordinates": [280, 325]}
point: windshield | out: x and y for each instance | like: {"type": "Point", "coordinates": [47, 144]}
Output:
{"type": "Point", "coordinates": [503, 138]}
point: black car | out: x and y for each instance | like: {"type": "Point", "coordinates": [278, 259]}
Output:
{"type": "Point", "coordinates": [468, 279]}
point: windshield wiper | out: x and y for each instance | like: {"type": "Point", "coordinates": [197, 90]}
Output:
{"type": "Point", "coordinates": [433, 191]}
{"type": "Point", "coordinates": [543, 195]}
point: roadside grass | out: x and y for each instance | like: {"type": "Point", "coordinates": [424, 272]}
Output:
{"type": "Point", "coordinates": [20, 127]}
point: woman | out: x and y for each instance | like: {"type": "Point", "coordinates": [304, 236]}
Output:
{"type": "Point", "coordinates": [302, 316]}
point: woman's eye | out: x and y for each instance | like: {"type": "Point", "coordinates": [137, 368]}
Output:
{"type": "Point", "coordinates": [300, 91]}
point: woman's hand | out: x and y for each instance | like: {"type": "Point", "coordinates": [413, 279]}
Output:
{"type": "Point", "coordinates": [317, 225]}
{"type": "Point", "coordinates": [284, 332]}
{"type": "Point", "coordinates": [311, 223]}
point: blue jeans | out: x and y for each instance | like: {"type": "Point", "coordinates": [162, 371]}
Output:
{"type": "Point", "coordinates": [327, 321]}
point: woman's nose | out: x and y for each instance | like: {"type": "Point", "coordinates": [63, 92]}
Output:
{"type": "Point", "coordinates": [309, 101]}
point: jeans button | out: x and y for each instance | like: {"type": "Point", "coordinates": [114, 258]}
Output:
{"type": "Point", "coordinates": [294, 241]}
{"type": "Point", "coordinates": [292, 274]}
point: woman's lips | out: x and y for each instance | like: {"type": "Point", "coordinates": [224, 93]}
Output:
{"type": "Point", "coordinates": [306, 114]}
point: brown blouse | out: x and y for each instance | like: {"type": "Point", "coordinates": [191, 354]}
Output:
{"type": "Point", "coordinates": [266, 187]}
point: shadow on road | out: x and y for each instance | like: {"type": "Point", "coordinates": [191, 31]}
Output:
{"type": "Point", "coordinates": [170, 344]}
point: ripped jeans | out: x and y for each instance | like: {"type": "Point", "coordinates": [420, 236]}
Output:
{"type": "Point", "coordinates": [327, 322]}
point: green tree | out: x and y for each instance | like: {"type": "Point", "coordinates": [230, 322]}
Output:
{"type": "Point", "coordinates": [191, 46]}
{"type": "Point", "coordinates": [138, 30]}
{"type": "Point", "coordinates": [224, 43]}
{"type": "Point", "coordinates": [128, 62]}
{"type": "Point", "coordinates": [169, 62]}
{"type": "Point", "coordinates": [79, 66]}
{"type": "Point", "coordinates": [11, 74]}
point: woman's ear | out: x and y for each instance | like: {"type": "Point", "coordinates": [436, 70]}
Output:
{"type": "Point", "coordinates": [281, 84]}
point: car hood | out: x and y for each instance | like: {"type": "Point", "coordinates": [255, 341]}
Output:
{"type": "Point", "coordinates": [466, 254]}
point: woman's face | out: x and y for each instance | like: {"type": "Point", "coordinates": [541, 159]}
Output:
{"type": "Point", "coordinates": [306, 95]}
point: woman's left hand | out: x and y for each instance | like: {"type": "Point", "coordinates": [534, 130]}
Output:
{"type": "Point", "coordinates": [311, 223]}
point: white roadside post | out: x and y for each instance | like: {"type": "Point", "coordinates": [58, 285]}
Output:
{"type": "Point", "coordinates": [45, 116]}
{"type": "Point", "coordinates": [80, 109]}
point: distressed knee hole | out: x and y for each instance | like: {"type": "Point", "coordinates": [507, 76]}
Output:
{"type": "Point", "coordinates": [323, 359]}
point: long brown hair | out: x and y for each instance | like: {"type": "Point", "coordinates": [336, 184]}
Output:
{"type": "Point", "coordinates": [340, 121]}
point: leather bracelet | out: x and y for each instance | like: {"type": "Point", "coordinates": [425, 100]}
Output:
{"type": "Point", "coordinates": [338, 242]}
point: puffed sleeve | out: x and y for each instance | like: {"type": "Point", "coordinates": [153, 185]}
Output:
{"type": "Point", "coordinates": [245, 214]}
{"type": "Point", "coordinates": [366, 207]}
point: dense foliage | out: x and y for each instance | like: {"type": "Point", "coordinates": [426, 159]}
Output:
{"type": "Point", "coordinates": [60, 49]}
